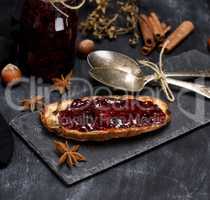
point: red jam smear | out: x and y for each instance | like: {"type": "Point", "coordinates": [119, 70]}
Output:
{"type": "Point", "coordinates": [106, 113]}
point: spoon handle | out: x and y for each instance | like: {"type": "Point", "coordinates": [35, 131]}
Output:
{"type": "Point", "coordinates": [193, 74]}
{"type": "Point", "coordinates": [197, 88]}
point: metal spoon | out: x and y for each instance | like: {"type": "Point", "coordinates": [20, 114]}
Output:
{"type": "Point", "coordinates": [122, 80]}
{"type": "Point", "coordinates": [115, 60]}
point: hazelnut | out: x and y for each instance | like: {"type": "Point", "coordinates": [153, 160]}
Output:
{"type": "Point", "coordinates": [10, 73]}
{"type": "Point", "coordinates": [86, 46]}
{"type": "Point", "coordinates": [209, 44]}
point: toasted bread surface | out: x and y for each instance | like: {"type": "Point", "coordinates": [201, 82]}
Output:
{"type": "Point", "coordinates": [51, 122]}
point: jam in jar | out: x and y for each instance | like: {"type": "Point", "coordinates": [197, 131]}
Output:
{"type": "Point", "coordinates": [47, 39]}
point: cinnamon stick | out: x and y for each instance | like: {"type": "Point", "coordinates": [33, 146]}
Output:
{"type": "Point", "coordinates": [179, 35]}
{"type": "Point", "coordinates": [166, 28]}
{"type": "Point", "coordinates": [145, 50]}
{"type": "Point", "coordinates": [156, 26]}
{"type": "Point", "coordinates": [163, 25]}
{"type": "Point", "coordinates": [147, 33]}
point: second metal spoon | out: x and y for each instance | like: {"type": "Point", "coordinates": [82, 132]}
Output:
{"type": "Point", "coordinates": [122, 80]}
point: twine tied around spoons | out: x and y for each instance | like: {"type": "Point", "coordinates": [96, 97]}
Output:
{"type": "Point", "coordinates": [63, 3]}
{"type": "Point", "coordinates": [160, 74]}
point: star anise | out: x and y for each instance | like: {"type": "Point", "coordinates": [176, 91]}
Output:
{"type": "Point", "coordinates": [70, 156]}
{"type": "Point", "coordinates": [62, 84]}
{"type": "Point", "coordinates": [33, 103]}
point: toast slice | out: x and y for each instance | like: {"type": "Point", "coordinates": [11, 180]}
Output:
{"type": "Point", "coordinates": [51, 113]}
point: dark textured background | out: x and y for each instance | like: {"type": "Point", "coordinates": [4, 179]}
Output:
{"type": "Point", "coordinates": [178, 170]}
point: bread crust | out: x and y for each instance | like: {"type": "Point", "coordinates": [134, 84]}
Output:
{"type": "Point", "coordinates": [50, 121]}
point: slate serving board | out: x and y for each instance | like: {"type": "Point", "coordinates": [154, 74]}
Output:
{"type": "Point", "coordinates": [102, 156]}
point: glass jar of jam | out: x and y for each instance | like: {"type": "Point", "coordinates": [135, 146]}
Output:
{"type": "Point", "coordinates": [47, 38]}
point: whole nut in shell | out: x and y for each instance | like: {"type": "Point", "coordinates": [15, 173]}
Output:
{"type": "Point", "coordinates": [10, 73]}
{"type": "Point", "coordinates": [86, 46]}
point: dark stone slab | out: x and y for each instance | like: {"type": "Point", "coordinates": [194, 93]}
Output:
{"type": "Point", "coordinates": [185, 118]}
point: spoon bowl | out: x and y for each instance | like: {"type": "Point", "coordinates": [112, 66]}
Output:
{"type": "Point", "coordinates": [113, 60]}
{"type": "Point", "coordinates": [118, 79]}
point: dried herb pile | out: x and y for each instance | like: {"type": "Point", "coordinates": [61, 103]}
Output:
{"type": "Point", "coordinates": [101, 24]}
